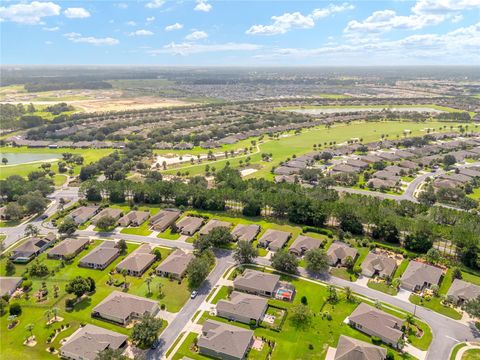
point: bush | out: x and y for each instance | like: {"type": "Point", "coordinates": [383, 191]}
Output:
{"type": "Point", "coordinates": [376, 340]}
{"type": "Point", "coordinates": [15, 309]}
{"type": "Point", "coordinates": [27, 285]}
{"type": "Point", "coordinates": [162, 306]}
{"type": "Point", "coordinates": [69, 303]}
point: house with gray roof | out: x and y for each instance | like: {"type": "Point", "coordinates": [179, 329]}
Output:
{"type": "Point", "coordinates": [338, 252]}
{"type": "Point", "coordinates": [83, 214]}
{"type": "Point", "coordinates": [68, 248]}
{"type": "Point", "coordinates": [100, 257]}
{"type": "Point", "coordinates": [304, 243]}
{"type": "Point", "coordinates": [138, 261]}
{"type": "Point", "coordinates": [31, 248]}
{"type": "Point", "coordinates": [122, 307]}
{"type": "Point", "coordinates": [164, 219]}
{"type": "Point", "coordinates": [134, 218]}
{"type": "Point", "coordinates": [242, 307]}
{"type": "Point", "coordinates": [274, 239]}
{"type": "Point", "coordinates": [362, 165]}
{"type": "Point", "coordinates": [343, 169]}
{"type": "Point", "coordinates": [352, 349]}
{"type": "Point", "coordinates": [377, 183]}
{"type": "Point", "coordinates": [461, 291]}
{"type": "Point", "coordinates": [8, 285]}
{"type": "Point", "coordinates": [89, 340]}
{"type": "Point", "coordinates": [245, 232]}
{"type": "Point", "coordinates": [175, 265]}
{"type": "Point", "coordinates": [256, 282]}
{"type": "Point", "coordinates": [375, 322]}
{"type": "Point", "coordinates": [419, 276]}
{"type": "Point", "coordinates": [108, 212]}
{"type": "Point", "coordinates": [224, 341]}
{"type": "Point", "coordinates": [214, 223]}
{"type": "Point", "coordinates": [378, 265]}
{"type": "Point", "coordinates": [189, 225]}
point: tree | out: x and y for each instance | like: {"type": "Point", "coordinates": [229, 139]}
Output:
{"type": "Point", "coordinates": [145, 332]}
{"type": "Point", "coordinates": [122, 245]}
{"type": "Point", "coordinates": [92, 285]}
{"type": "Point", "coordinates": [13, 211]}
{"type": "Point", "coordinates": [386, 231]}
{"type": "Point", "coordinates": [332, 294]}
{"type": "Point", "coordinates": [3, 306]}
{"type": "Point", "coordinates": [433, 256]}
{"type": "Point", "coordinates": [457, 273]}
{"type": "Point", "coordinates": [29, 328]}
{"type": "Point", "coordinates": [245, 253]}
{"type": "Point", "coordinates": [4, 161]}
{"type": "Point", "coordinates": [285, 261]}
{"type": "Point", "coordinates": [78, 286]}
{"type": "Point", "coordinates": [148, 281]}
{"type": "Point", "coordinates": [68, 226]}
{"type": "Point", "coordinates": [15, 309]}
{"type": "Point", "coordinates": [316, 260]}
{"type": "Point", "coordinates": [449, 160]}
{"type": "Point", "coordinates": [420, 241]}
{"type": "Point", "coordinates": [472, 307]}
{"type": "Point", "coordinates": [351, 223]}
{"type": "Point", "coordinates": [111, 354]}
{"type": "Point", "coordinates": [348, 293]}
{"type": "Point", "coordinates": [219, 236]}
{"type": "Point", "coordinates": [301, 315]}
{"type": "Point", "coordinates": [106, 222]}
{"type": "Point", "coordinates": [197, 271]}
{"type": "Point", "coordinates": [31, 230]}
{"type": "Point", "coordinates": [349, 262]}
{"type": "Point", "coordinates": [48, 314]}
{"type": "Point", "coordinates": [10, 267]}
{"type": "Point", "coordinates": [33, 202]}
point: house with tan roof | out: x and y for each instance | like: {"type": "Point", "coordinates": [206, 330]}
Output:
{"type": "Point", "coordinates": [462, 291]}
{"type": "Point", "coordinates": [419, 276]}
{"type": "Point", "coordinates": [375, 322]}
{"type": "Point", "coordinates": [108, 212]}
{"type": "Point", "coordinates": [31, 248]}
{"type": "Point", "coordinates": [164, 219]}
{"type": "Point", "coordinates": [338, 252]}
{"type": "Point", "coordinates": [352, 349]}
{"type": "Point", "coordinates": [122, 307]}
{"type": "Point", "coordinates": [68, 248]}
{"type": "Point", "coordinates": [242, 307]}
{"type": "Point", "coordinates": [8, 285]}
{"type": "Point", "coordinates": [224, 341]}
{"type": "Point", "coordinates": [175, 265]}
{"type": "Point", "coordinates": [189, 225]}
{"type": "Point", "coordinates": [83, 214]}
{"type": "Point", "coordinates": [214, 223]}
{"type": "Point", "coordinates": [378, 265]}
{"type": "Point", "coordinates": [245, 232]}
{"type": "Point", "coordinates": [256, 282]}
{"type": "Point", "coordinates": [134, 218]}
{"type": "Point", "coordinates": [304, 243]}
{"type": "Point", "coordinates": [100, 257]}
{"type": "Point", "coordinates": [89, 340]}
{"type": "Point", "coordinates": [138, 261]}
{"type": "Point", "coordinates": [274, 239]}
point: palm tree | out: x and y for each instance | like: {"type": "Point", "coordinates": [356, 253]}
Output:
{"type": "Point", "coordinates": [161, 295]}
{"type": "Point", "coordinates": [148, 281]}
{"type": "Point", "coordinates": [55, 312]}
{"type": "Point", "coordinates": [348, 293]}
{"type": "Point", "coordinates": [29, 328]}
{"type": "Point", "coordinates": [48, 314]}
{"type": "Point", "coordinates": [124, 274]}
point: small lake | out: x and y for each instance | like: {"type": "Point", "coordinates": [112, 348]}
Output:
{"type": "Point", "coordinates": [22, 158]}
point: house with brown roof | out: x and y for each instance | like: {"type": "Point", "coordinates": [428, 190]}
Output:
{"type": "Point", "coordinates": [224, 341]}
{"type": "Point", "coordinates": [419, 276]}
{"type": "Point", "coordinates": [31, 248]}
{"type": "Point", "coordinates": [108, 212]}
{"type": "Point", "coordinates": [100, 257]}
{"type": "Point", "coordinates": [122, 307]}
{"type": "Point", "coordinates": [375, 322]}
{"type": "Point", "coordinates": [134, 218]}
{"type": "Point", "coordinates": [89, 340]}
{"type": "Point", "coordinates": [304, 243]}
{"type": "Point", "coordinates": [245, 232]}
{"type": "Point", "coordinates": [8, 285]}
{"type": "Point", "coordinates": [175, 265]}
{"type": "Point", "coordinates": [461, 291]}
{"type": "Point", "coordinates": [377, 183]}
{"type": "Point", "coordinates": [69, 248]}
{"type": "Point", "coordinates": [338, 252]}
{"type": "Point", "coordinates": [138, 261]}
{"type": "Point", "coordinates": [257, 283]}
{"type": "Point", "coordinates": [189, 225]}
{"type": "Point", "coordinates": [164, 219]}
{"type": "Point", "coordinates": [212, 224]}
{"type": "Point", "coordinates": [83, 214]}
{"type": "Point", "coordinates": [274, 239]}
{"type": "Point", "coordinates": [242, 307]}
{"type": "Point", "coordinates": [352, 349]}
{"type": "Point", "coordinates": [378, 265]}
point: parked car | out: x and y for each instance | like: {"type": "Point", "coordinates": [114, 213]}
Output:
{"type": "Point", "coordinates": [194, 294]}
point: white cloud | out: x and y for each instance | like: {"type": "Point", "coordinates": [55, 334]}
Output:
{"type": "Point", "coordinates": [150, 18]}
{"type": "Point", "coordinates": [141, 33]}
{"type": "Point", "coordinates": [55, 28]}
{"type": "Point", "coordinates": [442, 7]}
{"type": "Point", "coordinates": [78, 38]}
{"type": "Point", "coordinates": [202, 5]}
{"type": "Point", "coordinates": [196, 35]}
{"type": "Point", "coordinates": [48, 42]}
{"type": "Point", "coordinates": [131, 23]}
{"type": "Point", "coordinates": [191, 48]}
{"type": "Point", "coordinates": [288, 21]}
{"type": "Point", "coordinates": [122, 6]}
{"type": "Point", "coordinates": [76, 13]}
{"type": "Point", "coordinates": [155, 4]}
{"type": "Point", "coordinates": [30, 14]}
{"type": "Point", "coordinates": [176, 26]}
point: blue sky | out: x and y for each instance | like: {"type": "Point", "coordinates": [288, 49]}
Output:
{"type": "Point", "coordinates": [206, 32]}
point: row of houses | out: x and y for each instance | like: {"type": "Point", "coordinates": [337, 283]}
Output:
{"type": "Point", "coordinates": [18, 140]}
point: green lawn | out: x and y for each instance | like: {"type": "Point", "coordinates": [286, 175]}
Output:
{"type": "Point", "coordinates": [435, 305]}
{"type": "Point", "coordinates": [446, 282]}
{"type": "Point", "coordinates": [401, 269]}
{"type": "Point", "coordinates": [455, 350]}
{"type": "Point", "coordinates": [222, 294]}
{"type": "Point", "coordinates": [474, 279]}
{"type": "Point", "coordinates": [167, 234]}
{"type": "Point", "coordinates": [383, 287]}
{"type": "Point", "coordinates": [472, 354]}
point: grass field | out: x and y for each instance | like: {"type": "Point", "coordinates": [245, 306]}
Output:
{"type": "Point", "coordinates": [302, 143]}
{"type": "Point", "coordinates": [383, 287]}
{"type": "Point", "coordinates": [435, 305]}
{"type": "Point", "coordinates": [436, 107]}
{"type": "Point", "coordinates": [472, 354]}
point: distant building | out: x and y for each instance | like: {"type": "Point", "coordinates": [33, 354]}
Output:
{"type": "Point", "coordinates": [338, 252]}
{"type": "Point", "coordinates": [31, 248]}
{"type": "Point", "coordinates": [189, 225]}
{"type": "Point", "coordinates": [212, 224]}
{"type": "Point", "coordinates": [244, 232]}
{"type": "Point", "coordinates": [419, 276]}
{"type": "Point", "coordinates": [304, 243]}
{"type": "Point", "coordinates": [138, 261]}
{"type": "Point", "coordinates": [100, 257]}
{"type": "Point", "coordinates": [68, 248]}
{"type": "Point", "coordinates": [378, 265]}
{"type": "Point", "coordinates": [461, 291]}
{"type": "Point", "coordinates": [175, 265]}
{"type": "Point", "coordinates": [274, 239]}
{"type": "Point", "coordinates": [164, 219]}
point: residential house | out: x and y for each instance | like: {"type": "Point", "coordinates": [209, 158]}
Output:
{"type": "Point", "coordinates": [352, 349]}
{"type": "Point", "coordinates": [376, 183]}
{"type": "Point", "coordinates": [189, 225]}
{"type": "Point", "coordinates": [378, 265]}
{"type": "Point", "coordinates": [31, 248]}
{"type": "Point", "coordinates": [257, 283]}
{"type": "Point", "coordinates": [212, 224]}
{"type": "Point", "coordinates": [134, 218]}
{"type": "Point", "coordinates": [108, 212]}
{"type": "Point", "coordinates": [224, 341]}
{"type": "Point", "coordinates": [100, 257]}
{"type": "Point", "coordinates": [304, 243]}
{"type": "Point", "coordinates": [244, 232]}
{"type": "Point", "coordinates": [338, 252]}
{"type": "Point", "coordinates": [138, 261]}
{"type": "Point", "coordinates": [243, 308]}
{"type": "Point", "coordinates": [375, 322]}
{"type": "Point", "coordinates": [175, 265]}
{"type": "Point", "coordinates": [419, 276]}
{"type": "Point", "coordinates": [69, 248]}
{"type": "Point", "coordinates": [461, 291]}
{"type": "Point", "coordinates": [83, 214]}
{"type": "Point", "coordinates": [274, 239]}
{"type": "Point", "coordinates": [89, 340]}
{"type": "Point", "coordinates": [164, 219]}
{"type": "Point", "coordinates": [8, 285]}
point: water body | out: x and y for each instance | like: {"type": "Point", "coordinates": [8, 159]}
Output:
{"type": "Point", "coordinates": [22, 158]}
{"type": "Point", "coordinates": [318, 111]}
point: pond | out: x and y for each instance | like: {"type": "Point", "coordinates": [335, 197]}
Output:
{"type": "Point", "coordinates": [22, 158]}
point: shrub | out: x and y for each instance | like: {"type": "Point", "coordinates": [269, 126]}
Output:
{"type": "Point", "coordinates": [162, 306]}
{"type": "Point", "coordinates": [376, 340]}
{"type": "Point", "coordinates": [27, 285]}
{"type": "Point", "coordinates": [15, 309]}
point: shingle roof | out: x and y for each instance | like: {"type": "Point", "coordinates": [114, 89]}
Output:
{"type": "Point", "coordinates": [189, 224]}
{"type": "Point", "coordinates": [121, 305]}
{"type": "Point", "coordinates": [418, 273]}
{"type": "Point", "coordinates": [164, 218]}
{"type": "Point", "coordinates": [245, 232]}
{"type": "Point", "coordinates": [339, 251]}
{"type": "Point", "coordinates": [8, 284]}
{"type": "Point", "coordinates": [134, 216]}
{"type": "Point", "coordinates": [275, 239]}
{"type": "Point", "coordinates": [257, 280]}
{"type": "Point", "coordinates": [101, 254]}
{"type": "Point", "coordinates": [176, 262]}
{"type": "Point", "coordinates": [137, 260]}
{"type": "Point", "coordinates": [383, 264]}
{"type": "Point", "coordinates": [242, 304]}
{"type": "Point", "coordinates": [214, 223]}
{"type": "Point", "coordinates": [352, 349]}
{"type": "Point", "coordinates": [68, 246]}
{"type": "Point", "coordinates": [304, 243]}
{"type": "Point", "coordinates": [463, 290]}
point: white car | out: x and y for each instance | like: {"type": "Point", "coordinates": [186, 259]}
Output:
{"type": "Point", "coordinates": [194, 294]}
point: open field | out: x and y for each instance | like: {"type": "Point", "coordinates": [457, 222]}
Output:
{"type": "Point", "coordinates": [136, 103]}
{"type": "Point", "coordinates": [351, 108]}
{"type": "Point", "coordinates": [302, 143]}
